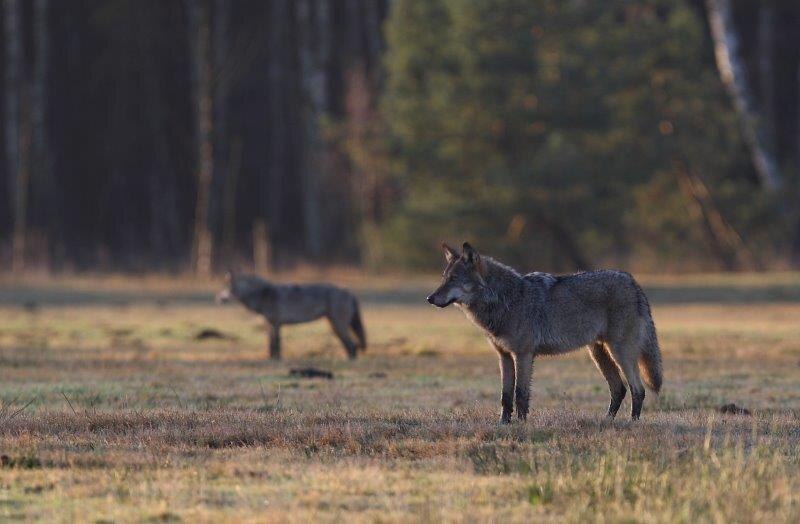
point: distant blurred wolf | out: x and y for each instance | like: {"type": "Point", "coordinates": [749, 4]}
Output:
{"type": "Point", "coordinates": [292, 304]}
{"type": "Point", "coordinates": [542, 314]}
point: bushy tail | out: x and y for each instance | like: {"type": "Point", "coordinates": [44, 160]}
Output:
{"type": "Point", "coordinates": [650, 367]}
{"type": "Point", "coordinates": [358, 327]}
{"type": "Point", "coordinates": [650, 359]}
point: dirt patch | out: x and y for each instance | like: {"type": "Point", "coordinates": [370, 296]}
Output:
{"type": "Point", "coordinates": [212, 334]}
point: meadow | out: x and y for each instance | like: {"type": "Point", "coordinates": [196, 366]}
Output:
{"type": "Point", "coordinates": [115, 407]}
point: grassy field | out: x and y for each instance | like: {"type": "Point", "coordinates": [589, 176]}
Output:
{"type": "Point", "coordinates": [114, 411]}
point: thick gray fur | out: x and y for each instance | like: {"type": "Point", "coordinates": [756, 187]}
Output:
{"type": "Point", "coordinates": [294, 303]}
{"type": "Point", "coordinates": [524, 316]}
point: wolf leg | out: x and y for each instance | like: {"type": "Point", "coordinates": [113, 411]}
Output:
{"type": "Point", "coordinates": [507, 377]}
{"type": "Point", "coordinates": [523, 366]}
{"type": "Point", "coordinates": [627, 356]}
{"type": "Point", "coordinates": [609, 369]}
{"type": "Point", "coordinates": [340, 327]}
{"type": "Point", "coordinates": [274, 332]}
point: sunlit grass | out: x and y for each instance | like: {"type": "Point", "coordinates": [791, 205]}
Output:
{"type": "Point", "coordinates": [132, 419]}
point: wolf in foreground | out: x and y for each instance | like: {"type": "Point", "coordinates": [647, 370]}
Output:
{"type": "Point", "coordinates": [542, 314]}
{"type": "Point", "coordinates": [292, 304]}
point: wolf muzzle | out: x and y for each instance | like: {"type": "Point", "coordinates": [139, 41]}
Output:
{"type": "Point", "coordinates": [432, 300]}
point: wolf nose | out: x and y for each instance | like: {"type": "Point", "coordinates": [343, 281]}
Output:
{"type": "Point", "coordinates": [430, 299]}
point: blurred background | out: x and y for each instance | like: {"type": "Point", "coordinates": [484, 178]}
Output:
{"type": "Point", "coordinates": [655, 135]}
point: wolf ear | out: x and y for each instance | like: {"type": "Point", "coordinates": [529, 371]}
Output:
{"type": "Point", "coordinates": [471, 256]}
{"type": "Point", "coordinates": [469, 253]}
{"type": "Point", "coordinates": [450, 254]}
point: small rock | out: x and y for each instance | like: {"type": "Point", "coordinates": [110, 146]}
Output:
{"type": "Point", "coordinates": [377, 374]}
{"type": "Point", "coordinates": [310, 373]}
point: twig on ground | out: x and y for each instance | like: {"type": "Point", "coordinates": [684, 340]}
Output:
{"type": "Point", "coordinates": [180, 402]}
{"type": "Point", "coordinates": [69, 403]}
{"type": "Point", "coordinates": [17, 412]}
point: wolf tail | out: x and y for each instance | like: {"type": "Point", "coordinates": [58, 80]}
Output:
{"type": "Point", "coordinates": [358, 326]}
{"type": "Point", "coordinates": [650, 366]}
{"type": "Point", "coordinates": [650, 358]}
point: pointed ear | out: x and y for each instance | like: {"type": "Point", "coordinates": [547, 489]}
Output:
{"type": "Point", "coordinates": [469, 253]}
{"type": "Point", "coordinates": [471, 256]}
{"type": "Point", "coordinates": [450, 254]}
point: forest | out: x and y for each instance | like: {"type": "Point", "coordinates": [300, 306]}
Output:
{"type": "Point", "coordinates": [195, 135]}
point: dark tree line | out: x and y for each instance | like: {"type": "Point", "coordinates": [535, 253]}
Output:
{"type": "Point", "coordinates": [158, 133]}
{"type": "Point", "coordinates": [170, 134]}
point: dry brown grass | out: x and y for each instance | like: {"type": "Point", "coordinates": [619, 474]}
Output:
{"type": "Point", "coordinates": [131, 419]}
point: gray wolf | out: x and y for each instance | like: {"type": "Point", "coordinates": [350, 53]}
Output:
{"type": "Point", "coordinates": [292, 304]}
{"type": "Point", "coordinates": [524, 316]}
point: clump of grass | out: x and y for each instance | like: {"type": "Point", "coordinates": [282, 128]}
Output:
{"type": "Point", "coordinates": [20, 461]}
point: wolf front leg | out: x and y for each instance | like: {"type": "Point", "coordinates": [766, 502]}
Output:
{"type": "Point", "coordinates": [522, 392]}
{"type": "Point", "coordinates": [507, 377]}
{"type": "Point", "coordinates": [274, 334]}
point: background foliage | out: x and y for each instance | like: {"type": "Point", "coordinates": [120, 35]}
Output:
{"type": "Point", "coordinates": [557, 135]}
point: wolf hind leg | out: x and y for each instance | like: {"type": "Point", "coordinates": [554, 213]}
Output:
{"type": "Point", "coordinates": [357, 327]}
{"type": "Point", "coordinates": [340, 326]}
{"type": "Point", "coordinates": [626, 355]}
{"type": "Point", "coordinates": [610, 371]}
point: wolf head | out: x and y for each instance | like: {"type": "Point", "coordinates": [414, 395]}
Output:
{"type": "Point", "coordinates": [238, 287]}
{"type": "Point", "coordinates": [463, 277]}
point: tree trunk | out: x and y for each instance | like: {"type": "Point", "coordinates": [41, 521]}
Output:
{"type": "Point", "coordinates": [795, 248]}
{"type": "Point", "coordinates": [278, 129]}
{"type": "Point", "coordinates": [164, 232]}
{"type": "Point", "coordinates": [312, 18]}
{"type": "Point", "coordinates": [766, 72]}
{"type": "Point", "coordinates": [200, 49]}
{"type": "Point", "coordinates": [42, 169]}
{"type": "Point", "coordinates": [732, 72]}
{"type": "Point", "coordinates": [373, 33]}
{"type": "Point", "coordinates": [566, 243]}
{"type": "Point", "coordinates": [16, 131]}
{"type": "Point", "coordinates": [229, 202]}
{"type": "Point", "coordinates": [261, 256]}
{"type": "Point", "coordinates": [724, 240]}
{"type": "Point", "coordinates": [221, 57]}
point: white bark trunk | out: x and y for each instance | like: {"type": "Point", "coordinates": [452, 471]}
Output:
{"type": "Point", "coordinates": [733, 75]}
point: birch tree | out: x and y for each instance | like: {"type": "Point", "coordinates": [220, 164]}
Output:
{"type": "Point", "coordinates": [733, 74]}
